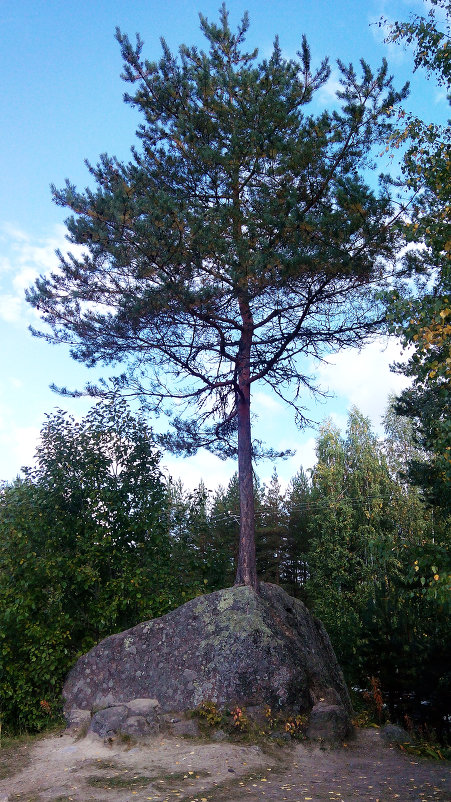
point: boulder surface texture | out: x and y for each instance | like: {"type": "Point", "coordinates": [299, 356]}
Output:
{"type": "Point", "coordinates": [230, 647]}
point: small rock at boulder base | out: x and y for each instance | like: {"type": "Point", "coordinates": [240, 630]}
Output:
{"type": "Point", "coordinates": [109, 721]}
{"type": "Point", "coordinates": [328, 723]}
{"type": "Point", "coordinates": [78, 719]}
{"type": "Point", "coordinates": [393, 734]}
{"type": "Point", "coordinates": [233, 646]}
{"type": "Point", "coordinates": [138, 717]}
{"type": "Point", "coordinates": [185, 728]}
{"type": "Point", "coordinates": [139, 726]}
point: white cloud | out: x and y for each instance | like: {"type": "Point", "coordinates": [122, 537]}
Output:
{"type": "Point", "coordinates": [10, 308]}
{"type": "Point", "coordinates": [339, 419]}
{"type": "Point", "coordinates": [11, 232]}
{"type": "Point", "coordinates": [24, 440]}
{"type": "Point", "coordinates": [24, 279]}
{"type": "Point", "coordinates": [304, 457]}
{"type": "Point", "coordinates": [22, 261]}
{"type": "Point", "coordinates": [328, 92]}
{"type": "Point", "coordinates": [203, 466]}
{"type": "Point", "coordinates": [19, 443]}
{"type": "Point", "coordinates": [440, 96]}
{"type": "Point", "coordinates": [5, 264]}
{"type": "Point", "coordinates": [364, 378]}
{"type": "Point", "coordinates": [266, 403]}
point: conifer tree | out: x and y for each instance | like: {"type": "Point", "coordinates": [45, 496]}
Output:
{"type": "Point", "coordinates": [239, 239]}
{"type": "Point", "coordinates": [225, 528]}
{"type": "Point", "coordinates": [272, 531]}
{"type": "Point", "coordinates": [295, 569]}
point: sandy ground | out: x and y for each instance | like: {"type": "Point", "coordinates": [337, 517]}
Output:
{"type": "Point", "coordinates": [63, 769]}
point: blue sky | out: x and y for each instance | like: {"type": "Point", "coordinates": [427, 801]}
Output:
{"type": "Point", "coordinates": [61, 102]}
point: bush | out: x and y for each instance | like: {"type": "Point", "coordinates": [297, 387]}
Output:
{"type": "Point", "coordinates": [84, 552]}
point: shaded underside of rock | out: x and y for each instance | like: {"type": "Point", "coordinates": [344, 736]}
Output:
{"type": "Point", "coordinates": [233, 646]}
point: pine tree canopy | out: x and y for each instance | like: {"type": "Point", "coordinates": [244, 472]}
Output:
{"type": "Point", "coordinates": [239, 242]}
{"type": "Point", "coordinates": [240, 237]}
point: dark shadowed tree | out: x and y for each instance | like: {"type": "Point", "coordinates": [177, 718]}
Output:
{"type": "Point", "coordinates": [240, 241]}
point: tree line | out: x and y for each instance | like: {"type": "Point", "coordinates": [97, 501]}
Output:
{"type": "Point", "coordinates": [95, 538]}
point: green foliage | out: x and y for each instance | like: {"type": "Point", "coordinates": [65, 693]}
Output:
{"type": "Point", "coordinates": [296, 727]}
{"type": "Point", "coordinates": [422, 318]}
{"type": "Point", "coordinates": [378, 567]}
{"type": "Point", "coordinates": [93, 540]}
{"type": "Point", "coordinates": [241, 235]}
{"type": "Point", "coordinates": [84, 552]}
{"type": "Point", "coordinates": [225, 530]}
{"type": "Point", "coordinates": [240, 721]}
{"type": "Point", "coordinates": [295, 569]}
{"type": "Point", "coordinates": [349, 494]}
{"type": "Point", "coordinates": [209, 712]}
{"type": "Point", "coordinates": [204, 535]}
{"type": "Point", "coordinates": [35, 629]}
{"type": "Point", "coordinates": [430, 39]}
{"type": "Point", "coordinates": [236, 721]}
{"type": "Point", "coordinates": [271, 532]}
{"type": "Point", "coordinates": [239, 209]}
{"type": "Point", "coordinates": [425, 746]}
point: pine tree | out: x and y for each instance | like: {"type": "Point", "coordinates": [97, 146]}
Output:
{"type": "Point", "coordinates": [272, 531]}
{"type": "Point", "coordinates": [299, 535]}
{"type": "Point", "coordinates": [212, 554]}
{"type": "Point", "coordinates": [225, 529]}
{"type": "Point", "coordinates": [188, 527]}
{"type": "Point", "coordinates": [240, 237]}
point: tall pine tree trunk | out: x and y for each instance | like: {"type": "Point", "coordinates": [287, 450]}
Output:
{"type": "Point", "coordinates": [247, 570]}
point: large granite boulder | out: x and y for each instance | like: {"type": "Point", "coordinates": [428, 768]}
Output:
{"type": "Point", "coordinates": [233, 646]}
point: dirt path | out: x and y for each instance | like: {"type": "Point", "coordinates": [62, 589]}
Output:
{"type": "Point", "coordinates": [61, 769]}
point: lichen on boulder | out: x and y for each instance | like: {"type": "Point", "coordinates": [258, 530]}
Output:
{"type": "Point", "coordinates": [232, 647]}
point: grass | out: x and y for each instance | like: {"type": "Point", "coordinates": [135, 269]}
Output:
{"type": "Point", "coordinates": [30, 797]}
{"type": "Point", "coordinates": [25, 798]}
{"type": "Point", "coordinates": [427, 749]}
{"type": "Point", "coordinates": [15, 750]}
{"type": "Point", "coordinates": [15, 754]}
{"type": "Point", "coordinates": [119, 780]}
